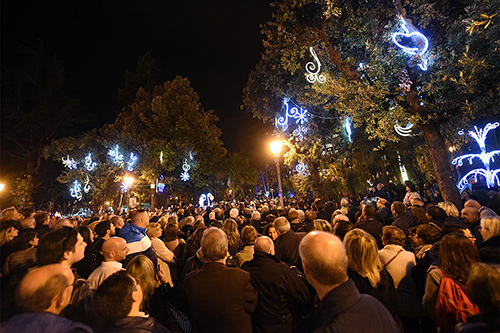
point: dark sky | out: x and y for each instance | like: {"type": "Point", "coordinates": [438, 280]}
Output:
{"type": "Point", "coordinates": [215, 44]}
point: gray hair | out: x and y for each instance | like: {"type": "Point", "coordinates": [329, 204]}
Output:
{"type": "Point", "coordinates": [214, 244]}
{"type": "Point", "coordinates": [281, 224]}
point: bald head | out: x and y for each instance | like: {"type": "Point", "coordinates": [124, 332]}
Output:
{"type": "Point", "coordinates": [470, 215]}
{"type": "Point", "coordinates": [264, 244]}
{"type": "Point", "coordinates": [324, 258]}
{"type": "Point", "coordinates": [114, 249]}
{"type": "Point", "coordinates": [45, 289]}
{"type": "Point", "coordinates": [472, 203]}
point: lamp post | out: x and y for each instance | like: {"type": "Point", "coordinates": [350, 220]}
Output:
{"type": "Point", "coordinates": [128, 182]}
{"type": "Point", "coordinates": [276, 149]}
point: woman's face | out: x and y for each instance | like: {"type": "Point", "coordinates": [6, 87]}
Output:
{"type": "Point", "coordinates": [12, 233]}
{"type": "Point", "coordinates": [159, 232]}
{"type": "Point", "coordinates": [408, 189]}
{"type": "Point", "coordinates": [34, 242]}
{"type": "Point", "coordinates": [272, 233]}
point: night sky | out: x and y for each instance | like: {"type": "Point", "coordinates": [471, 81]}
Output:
{"type": "Point", "coordinates": [215, 44]}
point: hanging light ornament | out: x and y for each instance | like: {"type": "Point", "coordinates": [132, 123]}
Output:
{"type": "Point", "coordinates": [76, 190]}
{"type": "Point", "coordinates": [69, 163]}
{"type": "Point", "coordinates": [313, 70]}
{"type": "Point", "coordinates": [413, 43]}
{"type": "Point", "coordinates": [186, 167]}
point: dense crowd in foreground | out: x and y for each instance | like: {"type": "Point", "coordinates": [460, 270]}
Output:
{"type": "Point", "coordinates": [383, 266]}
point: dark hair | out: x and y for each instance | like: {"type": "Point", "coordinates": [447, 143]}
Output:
{"type": "Point", "coordinates": [419, 214]}
{"type": "Point", "coordinates": [41, 217]}
{"type": "Point", "coordinates": [39, 300]}
{"type": "Point", "coordinates": [265, 232]}
{"type": "Point", "coordinates": [102, 228]}
{"type": "Point", "coordinates": [310, 216]}
{"type": "Point", "coordinates": [398, 207]}
{"type": "Point", "coordinates": [428, 233]}
{"type": "Point", "coordinates": [22, 242]}
{"type": "Point", "coordinates": [196, 239]}
{"type": "Point", "coordinates": [219, 214]}
{"type": "Point", "coordinates": [113, 298]}
{"type": "Point", "coordinates": [341, 228]}
{"type": "Point", "coordinates": [393, 235]}
{"type": "Point", "coordinates": [411, 186]}
{"type": "Point", "coordinates": [369, 211]}
{"type": "Point", "coordinates": [436, 213]}
{"type": "Point", "coordinates": [53, 245]}
{"type": "Point", "coordinates": [171, 232]}
{"type": "Point", "coordinates": [457, 253]}
{"type": "Point", "coordinates": [28, 211]}
{"type": "Point", "coordinates": [248, 235]}
{"type": "Point", "coordinates": [85, 232]}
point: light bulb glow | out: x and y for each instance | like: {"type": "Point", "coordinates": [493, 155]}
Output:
{"type": "Point", "coordinates": [161, 157]}
{"type": "Point", "coordinates": [276, 147]}
{"type": "Point", "coordinates": [313, 70]}
{"type": "Point", "coordinates": [421, 43]}
{"type": "Point", "coordinates": [491, 176]}
{"type": "Point", "coordinates": [89, 165]}
{"type": "Point", "coordinates": [69, 163]}
{"type": "Point", "coordinates": [348, 128]}
{"type": "Point", "coordinates": [86, 185]}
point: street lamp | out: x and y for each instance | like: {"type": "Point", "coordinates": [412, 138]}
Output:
{"type": "Point", "coordinates": [276, 149]}
{"type": "Point", "coordinates": [128, 182]}
{"type": "Point", "coordinates": [2, 186]}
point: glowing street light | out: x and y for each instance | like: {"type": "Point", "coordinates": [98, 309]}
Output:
{"type": "Point", "coordinates": [129, 181]}
{"type": "Point", "coordinates": [2, 186]}
{"type": "Point", "coordinates": [276, 149]}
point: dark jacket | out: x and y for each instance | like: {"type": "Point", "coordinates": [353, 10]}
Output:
{"type": "Point", "coordinates": [287, 249]}
{"type": "Point", "coordinates": [385, 215]}
{"type": "Point", "coordinates": [490, 250]}
{"type": "Point", "coordinates": [220, 299]}
{"type": "Point", "coordinates": [281, 293]}
{"type": "Point", "coordinates": [135, 325]}
{"type": "Point", "coordinates": [345, 310]}
{"type": "Point", "coordinates": [405, 221]}
{"type": "Point", "coordinates": [373, 227]}
{"type": "Point", "coordinates": [42, 323]}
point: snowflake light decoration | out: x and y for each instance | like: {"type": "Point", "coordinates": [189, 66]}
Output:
{"type": "Point", "coordinates": [348, 128]}
{"type": "Point", "coordinates": [76, 190]}
{"type": "Point", "coordinates": [491, 176]}
{"type": "Point", "coordinates": [124, 187]}
{"type": "Point", "coordinates": [299, 114]}
{"type": "Point", "coordinates": [301, 169]}
{"type": "Point", "coordinates": [89, 165]}
{"type": "Point", "coordinates": [313, 70]}
{"type": "Point", "coordinates": [186, 167]}
{"type": "Point", "coordinates": [69, 163]}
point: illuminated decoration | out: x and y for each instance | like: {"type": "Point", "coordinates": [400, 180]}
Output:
{"type": "Point", "coordinates": [202, 199]}
{"type": "Point", "coordinates": [191, 155]}
{"type": "Point", "coordinates": [348, 128]}
{"type": "Point", "coordinates": [491, 176]}
{"type": "Point", "coordinates": [297, 113]}
{"type": "Point", "coordinates": [313, 70]}
{"type": "Point", "coordinates": [76, 190]}
{"type": "Point", "coordinates": [301, 169]}
{"type": "Point", "coordinates": [86, 185]}
{"type": "Point", "coordinates": [267, 194]}
{"type": "Point", "coordinates": [300, 131]}
{"type": "Point", "coordinates": [89, 165]}
{"type": "Point", "coordinates": [404, 131]}
{"type": "Point", "coordinates": [210, 199]}
{"type": "Point", "coordinates": [160, 187]}
{"type": "Point", "coordinates": [69, 163]}
{"type": "Point", "coordinates": [419, 41]}
{"type": "Point", "coordinates": [125, 187]}
{"type": "Point", "coordinates": [404, 174]}
{"type": "Point", "coordinates": [186, 167]}
{"type": "Point", "coordinates": [116, 156]}
{"type": "Point", "coordinates": [161, 157]}
{"type": "Point", "coordinates": [131, 162]}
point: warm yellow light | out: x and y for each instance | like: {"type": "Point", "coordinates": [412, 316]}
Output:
{"type": "Point", "coordinates": [2, 186]}
{"type": "Point", "coordinates": [128, 181]}
{"type": "Point", "coordinates": [276, 147]}
{"type": "Point", "coordinates": [107, 203]}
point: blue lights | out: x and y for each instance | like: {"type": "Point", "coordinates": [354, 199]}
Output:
{"type": "Point", "coordinates": [116, 156]}
{"type": "Point", "coordinates": [403, 131]}
{"type": "Point", "coordinates": [186, 167]}
{"type": "Point", "coordinates": [132, 161]}
{"type": "Point", "coordinates": [348, 128]}
{"type": "Point", "coordinates": [300, 116]}
{"type": "Point", "coordinates": [89, 165]}
{"type": "Point", "coordinates": [76, 190]}
{"type": "Point", "coordinates": [413, 43]}
{"type": "Point", "coordinates": [69, 163]}
{"type": "Point", "coordinates": [301, 169]}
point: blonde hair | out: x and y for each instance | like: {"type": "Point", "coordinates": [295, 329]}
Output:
{"type": "Point", "coordinates": [322, 225]}
{"type": "Point", "coordinates": [449, 208]}
{"type": "Point", "coordinates": [490, 227]}
{"type": "Point", "coordinates": [362, 255]}
{"type": "Point", "coordinates": [4, 231]}
{"type": "Point", "coordinates": [152, 229]}
{"type": "Point", "coordinates": [231, 229]}
{"type": "Point", "coordinates": [142, 269]}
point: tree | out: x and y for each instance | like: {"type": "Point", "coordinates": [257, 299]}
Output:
{"type": "Point", "coordinates": [370, 79]}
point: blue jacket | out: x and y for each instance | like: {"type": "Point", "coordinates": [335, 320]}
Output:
{"type": "Point", "coordinates": [42, 323]}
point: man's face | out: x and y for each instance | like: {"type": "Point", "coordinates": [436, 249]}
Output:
{"type": "Point", "coordinates": [79, 252]}
{"type": "Point", "coordinates": [120, 223]}
{"type": "Point", "coordinates": [468, 216]}
{"type": "Point", "coordinates": [112, 229]}
{"type": "Point", "coordinates": [122, 251]}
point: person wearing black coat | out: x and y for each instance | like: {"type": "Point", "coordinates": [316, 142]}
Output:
{"type": "Point", "coordinates": [282, 295]}
{"type": "Point", "coordinates": [403, 219]}
{"type": "Point", "coordinates": [287, 249]}
{"type": "Point", "coordinates": [490, 250]}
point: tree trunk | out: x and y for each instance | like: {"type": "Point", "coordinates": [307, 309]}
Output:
{"type": "Point", "coordinates": [439, 158]}
{"type": "Point", "coordinates": [317, 183]}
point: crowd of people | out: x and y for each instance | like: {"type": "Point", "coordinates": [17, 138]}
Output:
{"type": "Point", "coordinates": [384, 264]}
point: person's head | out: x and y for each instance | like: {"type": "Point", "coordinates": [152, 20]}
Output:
{"type": "Point", "coordinates": [398, 208]}
{"type": "Point", "coordinates": [457, 253]}
{"type": "Point", "coordinates": [172, 219]}
{"type": "Point", "coordinates": [416, 202]}
{"type": "Point", "coordinates": [255, 216]}
{"type": "Point", "coordinates": [117, 221]}
{"type": "Point", "coordinates": [362, 254]}
{"type": "Point", "coordinates": [342, 226]}
{"type": "Point", "coordinates": [381, 203]}
{"type": "Point", "coordinates": [64, 246]}
{"type": "Point", "coordinates": [472, 203]}
{"type": "Point", "coordinates": [490, 227]}
{"type": "Point", "coordinates": [118, 296]}
{"type": "Point", "coordinates": [105, 229]}
{"type": "Point", "coordinates": [25, 241]}
{"type": "Point", "coordinates": [436, 214]}
{"type": "Point", "coordinates": [248, 235]}
{"type": "Point", "coordinates": [449, 208]}
{"type": "Point", "coordinates": [214, 245]}
{"type": "Point", "coordinates": [324, 260]}
{"type": "Point", "coordinates": [393, 235]}
{"type": "Point", "coordinates": [470, 215]}
{"type": "Point", "coordinates": [7, 233]}
{"type": "Point", "coordinates": [42, 218]}
{"type": "Point", "coordinates": [230, 227]}
{"type": "Point", "coordinates": [483, 289]}
{"type": "Point", "coordinates": [322, 225]}
{"type": "Point", "coordinates": [270, 231]}
{"type": "Point", "coordinates": [428, 233]}
{"type": "Point", "coordinates": [153, 230]}
{"type": "Point", "coordinates": [292, 214]}
{"type": "Point", "coordinates": [28, 222]}
{"type": "Point", "coordinates": [264, 244]}
{"type": "Point", "coordinates": [140, 218]}
{"type": "Point", "coordinates": [281, 225]}
{"type": "Point", "coordinates": [410, 187]}
{"type": "Point", "coordinates": [11, 213]}
{"type": "Point", "coordinates": [143, 270]}
{"type": "Point", "coordinates": [171, 232]}
{"type": "Point", "coordinates": [196, 239]}
{"type": "Point", "coordinates": [60, 223]}
{"type": "Point", "coordinates": [369, 211]}
{"type": "Point", "coordinates": [219, 214]}
{"type": "Point", "coordinates": [310, 216]}
{"type": "Point", "coordinates": [87, 234]}
{"type": "Point", "coordinates": [419, 213]}
{"type": "Point", "coordinates": [233, 213]}
{"type": "Point", "coordinates": [114, 249]}
{"type": "Point", "coordinates": [45, 289]}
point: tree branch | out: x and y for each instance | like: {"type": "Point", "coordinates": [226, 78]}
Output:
{"type": "Point", "coordinates": [337, 59]}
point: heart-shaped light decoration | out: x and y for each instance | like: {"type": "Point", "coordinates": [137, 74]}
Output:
{"type": "Point", "coordinates": [417, 38]}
